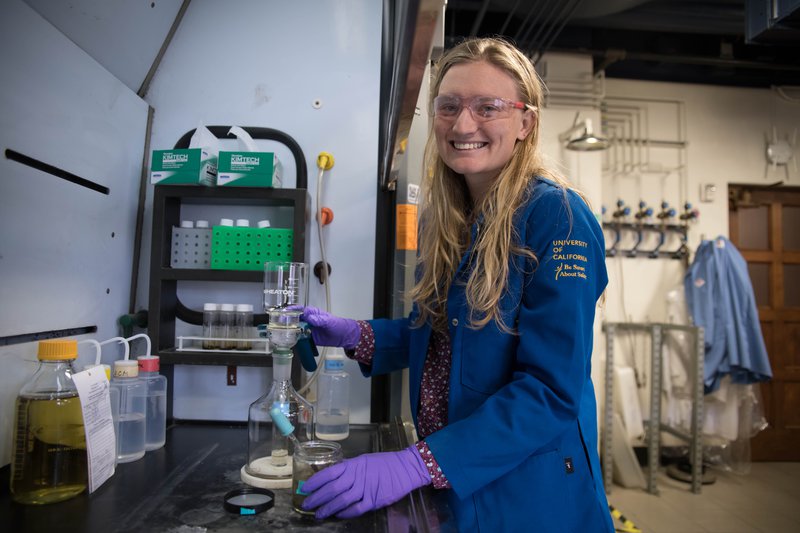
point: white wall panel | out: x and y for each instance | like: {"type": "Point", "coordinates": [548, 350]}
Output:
{"type": "Point", "coordinates": [65, 250]}
{"type": "Point", "coordinates": [121, 35]}
{"type": "Point", "coordinates": [264, 64]}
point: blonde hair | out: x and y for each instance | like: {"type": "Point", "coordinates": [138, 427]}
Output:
{"type": "Point", "coordinates": [448, 213]}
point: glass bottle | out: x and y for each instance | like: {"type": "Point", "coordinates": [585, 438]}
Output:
{"type": "Point", "coordinates": [269, 453]}
{"type": "Point", "coordinates": [155, 433]}
{"type": "Point", "coordinates": [226, 326]}
{"type": "Point", "coordinates": [333, 400]}
{"type": "Point", "coordinates": [132, 410]}
{"type": "Point", "coordinates": [244, 326]}
{"type": "Point", "coordinates": [48, 459]}
{"type": "Point", "coordinates": [210, 326]}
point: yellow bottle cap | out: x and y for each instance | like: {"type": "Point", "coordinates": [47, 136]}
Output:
{"type": "Point", "coordinates": [58, 349]}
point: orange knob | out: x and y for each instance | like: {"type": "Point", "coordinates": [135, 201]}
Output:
{"type": "Point", "coordinates": [327, 216]}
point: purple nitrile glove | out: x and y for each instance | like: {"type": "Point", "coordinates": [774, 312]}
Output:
{"type": "Point", "coordinates": [370, 481]}
{"type": "Point", "coordinates": [329, 330]}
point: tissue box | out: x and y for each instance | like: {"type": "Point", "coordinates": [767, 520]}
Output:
{"type": "Point", "coordinates": [248, 169]}
{"type": "Point", "coordinates": [194, 166]}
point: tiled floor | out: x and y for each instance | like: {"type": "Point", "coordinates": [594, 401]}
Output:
{"type": "Point", "coordinates": [767, 500]}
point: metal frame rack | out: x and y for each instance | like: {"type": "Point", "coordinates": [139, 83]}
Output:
{"type": "Point", "coordinates": [165, 307]}
{"type": "Point", "coordinates": [654, 426]}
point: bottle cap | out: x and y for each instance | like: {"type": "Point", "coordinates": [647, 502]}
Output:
{"type": "Point", "coordinates": [227, 307]}
{"type": "Point", "coordinates": [126, 368]}
{"type": "Point", "coordinates": [335, 355]}
{"type": "Point", "coordinates": [226, 222]}
{"type": "Point", "coordinates": [210, 307]}
{"type": "Point", "coordinates": [58, 349]}
{"type": "Point", "coordinates": [187, 224]}
{"type": "Point", "coordinates": [263, 223]}
{"type": "Point", "coordinates": [242, 223]}
{"type": "Point", "coordinates": [244, 308]}
{"type": "Point", "coordinates": [201, 224]}
{"type": "Point", "coordinates": [148, 363]}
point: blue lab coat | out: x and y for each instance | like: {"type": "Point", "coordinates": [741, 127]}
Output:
{"type": "Point", "coordinates": [720, 299]}
{"type": "Point", "coordinates": [520, 447]}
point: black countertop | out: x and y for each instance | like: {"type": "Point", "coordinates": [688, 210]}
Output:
{"type": "Point", "coordinates": [180, 487]}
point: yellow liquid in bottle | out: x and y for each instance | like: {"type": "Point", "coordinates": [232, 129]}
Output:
{"type": "Point", "coordinates": [49, 461]}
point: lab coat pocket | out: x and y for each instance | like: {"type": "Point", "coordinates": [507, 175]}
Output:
{"type": "Point", "coordinates": [487, 359]}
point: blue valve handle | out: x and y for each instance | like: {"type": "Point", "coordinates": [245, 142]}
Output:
{"type": "Point", "coordinates": [306, 350]}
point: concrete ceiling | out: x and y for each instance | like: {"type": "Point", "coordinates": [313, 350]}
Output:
{"type": "Point", "coordinates": [723, 42]}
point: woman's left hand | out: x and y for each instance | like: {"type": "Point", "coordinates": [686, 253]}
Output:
{"type": "Point", "coordinates": [370, 481]}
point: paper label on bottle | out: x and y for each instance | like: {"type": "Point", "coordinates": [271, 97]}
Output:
{"type": "Point", "coordinates": [101, 443]}
{"type": "Point", "coordinates": [334, 364]}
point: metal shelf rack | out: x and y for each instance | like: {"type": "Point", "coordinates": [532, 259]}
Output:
{"type": "Point", "coordinates": [654, 426]}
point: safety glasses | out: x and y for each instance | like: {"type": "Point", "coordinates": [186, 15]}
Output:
{"type": "Point", "coordinates": [483, 108]}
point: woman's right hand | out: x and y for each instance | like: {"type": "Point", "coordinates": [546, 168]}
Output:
{"type": "Point", "coordinates": [330, 330]}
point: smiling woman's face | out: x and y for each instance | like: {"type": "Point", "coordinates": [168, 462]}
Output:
{"type": "Point", "coordinates": [479, 150]}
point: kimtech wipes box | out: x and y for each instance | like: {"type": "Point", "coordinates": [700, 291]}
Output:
{"type": "Point", "coordinates": [194, 166]}
{"type": "Point", "coordinates": [248, 169]}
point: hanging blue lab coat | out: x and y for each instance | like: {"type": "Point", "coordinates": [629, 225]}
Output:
{"type": "Point", "coordinates": [520, 446]}
{"type": "Point", "coordinates": [720, 298]}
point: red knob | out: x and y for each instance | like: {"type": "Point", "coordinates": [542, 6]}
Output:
{"type": "Point", "coordinates": [326, 215]}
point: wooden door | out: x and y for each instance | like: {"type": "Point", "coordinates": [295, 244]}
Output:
{"type": "Point", "coordinates": [765, 227]}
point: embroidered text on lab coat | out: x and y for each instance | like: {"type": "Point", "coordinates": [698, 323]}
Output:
{"type": "Point", "coordinates": [572, 263]}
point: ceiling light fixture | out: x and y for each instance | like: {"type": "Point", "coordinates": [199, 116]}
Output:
{"type": "Point", "coordinates": [581, 137]}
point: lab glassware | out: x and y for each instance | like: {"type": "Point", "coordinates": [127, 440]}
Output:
{"type": "Point", "coordinates": [311, 457]}
{"type": "Point", "coordinates": [132, 411]}
{"type": "Point", "coordinates": [285, 284]}
{"type": "Point", "coordinates": [210, 326]}
{"type": "Point", "coordinates": [48, 460]}
{"type": "Point", "coordinates": [269, 452]}
{"type": "Point", "coordinates": [155, 433]}
{"type": "Point", "coordinates": [333, 400]}
{"type": "Point", "coordinates": [227, 324]}
{"type": "Point", "coordinates": [243, 321]}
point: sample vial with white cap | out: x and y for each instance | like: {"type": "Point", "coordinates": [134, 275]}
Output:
{"type": "Point", "coordinates": [242, 223]}
{"type": "Point", "coordinates": [263, 224]}
{"type": "Point", "coordinates": [210, 326]}
{"type": "Point", "coordinates": [227, 325]}
{"type": "Point", "coordinates": [188, 224]}
{"type": "Point", "coordinates": [244, 326]}
{"type": "Point", "coordinates": [201, 224]}
{"type": "Point", "coordinates": [226, 222]}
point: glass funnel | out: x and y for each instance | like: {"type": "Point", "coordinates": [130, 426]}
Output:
{"type": "Point", "coordinates": [285, 284]}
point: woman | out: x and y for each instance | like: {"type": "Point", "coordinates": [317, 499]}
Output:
{"type": "Point", "coordinates": [499, 342]}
